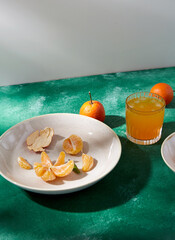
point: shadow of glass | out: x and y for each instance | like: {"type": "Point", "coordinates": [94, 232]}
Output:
{"type": "Point", "coordinates": [114, 121]}
{"type": "Point", "coordinates": [126, 180]}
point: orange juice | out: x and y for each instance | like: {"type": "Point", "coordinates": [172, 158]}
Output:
{"type": "Point", "coordinates": [144, 117]}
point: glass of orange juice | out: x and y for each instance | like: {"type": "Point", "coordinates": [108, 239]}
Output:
{"type": "Point", "coordinates": [144, 117]}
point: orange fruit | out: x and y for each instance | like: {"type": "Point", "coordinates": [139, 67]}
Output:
{"type": "Point", "coordinates": [164, 90]}
{"type": "Point", "coordinates": [88, 162]}
{"type": "Point", "coordinates": [60, 159]}
{"type": "Point", "coordinates": [93, 109]}
{"type": "Point", "coordinates": [73, 144]}
{"type": "Point", "coordinates": [48, 176]}
{"type": "Point", "coordinates": [64, 169]}
{"type": "Point", "coordinates": [45, 160]}
{"type": "Point", "coordinates": [39, 169]}
{"type": "Point", "coordinates": [23, 163]}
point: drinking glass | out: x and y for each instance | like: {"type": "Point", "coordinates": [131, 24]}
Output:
{"type": "Point", "coordinates": [144, 117]}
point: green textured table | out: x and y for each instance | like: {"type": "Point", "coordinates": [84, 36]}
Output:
{"type": "Point", "coordinates": [135, 201]}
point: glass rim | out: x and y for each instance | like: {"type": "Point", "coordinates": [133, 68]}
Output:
{"type": "Point", "coordinates": [142, 111]}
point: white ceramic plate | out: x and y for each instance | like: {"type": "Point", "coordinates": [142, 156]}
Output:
{"type": "Point", "coordinates": [168, 151]}
{"type": "Point", "coordinates": [100, 141]}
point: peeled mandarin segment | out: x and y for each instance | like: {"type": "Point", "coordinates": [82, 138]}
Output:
{"type": "Point", "coordinates": [48, 176]}
{"type": "Point", "coordinates": [39, 169]}
{"type": "Point", "coordinates": [67, 146]}
{"type": "Point", "coordinates": [61, 159]}
{"type": "Point", "coordinates": [43, 169]}
{"type": "Point", "coordinates": [23, 163]}
{"type": "Point", "coordinates": [73, 144]}
{"type": "Point", "coordinates": [45, 160]}
{"type": "Point", "coordinates": [88, 162]}
{"type": "Point", "coordinates": [77, 143]}
{"type": "Point", "coordinates": [63, 170]}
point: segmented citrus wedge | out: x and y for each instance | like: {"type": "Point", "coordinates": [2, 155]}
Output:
{"type": "Point", "coordinates": [60, 159]}
{"type": "Point", "coordinates": [23, 163]}
{"type": "Point", "coordinates": [64, 169]}
{"type": "Point", "coordinates": [45, 160]}
{"type": "Point", "coordinates": [73, 144]}
{"type": "Point", "coordinates": [43, 169]}
{"type": "Point", "coordinates": [88, 162]}
{"type": "Point", "coordinates": [48, 176]}
{"type": "Point", "coordinates": [39, 169]}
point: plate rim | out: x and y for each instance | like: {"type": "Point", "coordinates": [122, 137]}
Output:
{"type": "Point", "coordinates": [163, 144]}
{"type": "Point", "coordinates": [71, 189]}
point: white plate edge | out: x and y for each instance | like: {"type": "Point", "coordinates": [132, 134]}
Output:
{"type": "Point", "coordinates": [166, 139]}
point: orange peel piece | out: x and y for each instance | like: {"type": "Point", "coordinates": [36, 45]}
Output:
{"type": "Point", "coordinates": [38, 140]}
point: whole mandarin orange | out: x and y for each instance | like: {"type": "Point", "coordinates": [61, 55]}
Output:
{"type": "Point", "coordinates": [164, 90]}
{"type": "Point", "coordinates": [93, 109]}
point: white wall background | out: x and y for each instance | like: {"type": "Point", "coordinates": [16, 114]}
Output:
{"type": "Point", "coordinates": [52, 39]}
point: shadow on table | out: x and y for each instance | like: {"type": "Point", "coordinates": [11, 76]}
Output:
{"type": "Point", "coordinates": [168, 128]}
{"type": "Point", "coordinates": [126, 180]}
{"type": "Point", "coordinates": [114, 121]}
{"type": "Point", "coordinates": [171, 104]}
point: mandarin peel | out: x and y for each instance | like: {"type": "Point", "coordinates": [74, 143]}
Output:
{"type": "Point", "coordinates": [39, 140]}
